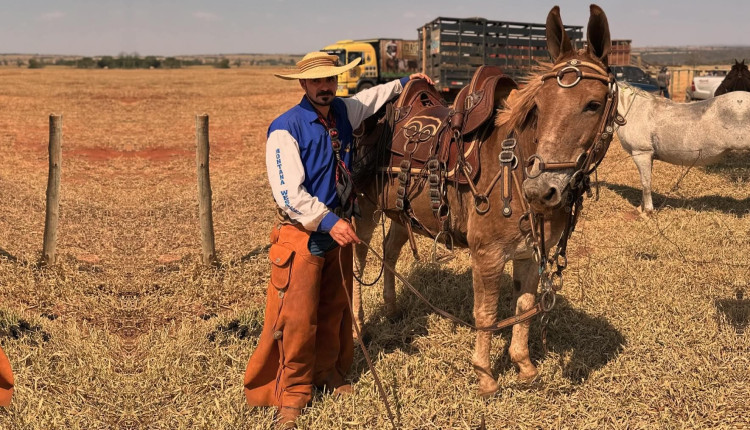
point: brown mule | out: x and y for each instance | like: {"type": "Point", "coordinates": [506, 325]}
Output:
{"type": "Point", "coordinates": [555, 125]}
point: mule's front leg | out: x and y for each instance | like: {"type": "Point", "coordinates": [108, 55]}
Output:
{"type": "Point", "coordinates": [394, 241]}
{"type": "Point", "coordinates": [525, 281]}
{"type": "Point", "coordinates": [486, 276]}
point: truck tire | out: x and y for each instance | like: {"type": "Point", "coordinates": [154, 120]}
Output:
{"type": "Point", "coordinates": [364, 85]}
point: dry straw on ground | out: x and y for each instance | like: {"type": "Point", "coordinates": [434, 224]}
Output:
{"type": "Point", "coordinates": [129, 331]}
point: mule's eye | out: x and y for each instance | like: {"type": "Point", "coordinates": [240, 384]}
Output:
{"type": "Point", "coordinates": [592, 106]}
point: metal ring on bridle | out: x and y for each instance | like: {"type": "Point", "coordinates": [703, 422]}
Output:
{"type": "Point", "coordinates": [563, 71]}
{"type": "Point", "coordinates": [443, 207]}
{"type": "Point", "coordinates": [525, 217]}
{"type": "Point", "coordinates": [480, 200]}
{"type": "Point", "coordinates": [377, 216]}
{"type": "Point", "coordinates": [576, 179]}
{"type": "Point", "coordinates": [512, 159]}
{"type": "Point", "coordinates": [529, 163]}
{"type": "Point", "coordinates": [547, 301]}
{"type": "Point", "coordinates": [536, 255]}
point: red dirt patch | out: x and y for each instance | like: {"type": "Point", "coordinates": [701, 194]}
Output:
{"type": "Point", "coordinates": [631, 215]}
{"type": "Point", "coordinates": [169, 258]}
{"type": "Point", "coordinates": [159, 154]}
{"type": "Point", "coordinates": [88, 258]}
{"type": "Point", "coordinates": [152, 154]}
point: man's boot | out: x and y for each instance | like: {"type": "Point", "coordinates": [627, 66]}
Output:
{"type": "Point", "coordinates": [286, 417]}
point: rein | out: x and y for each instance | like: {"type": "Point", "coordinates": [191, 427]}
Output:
{"type": "Point", "coordinates": [551, 268]}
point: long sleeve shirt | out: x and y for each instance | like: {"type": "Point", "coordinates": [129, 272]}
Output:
{"type": "Point", "coordinates": [300, 159]}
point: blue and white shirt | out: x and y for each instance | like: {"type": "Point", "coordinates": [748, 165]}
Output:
{"type": "Point", "coordinates": [300, 160]}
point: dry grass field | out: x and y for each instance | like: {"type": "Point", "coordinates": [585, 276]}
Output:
{"type": "Point", "coordinates": [128, 331]}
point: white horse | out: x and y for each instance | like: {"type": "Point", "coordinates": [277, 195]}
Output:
{"type": "Point", "coordinates": [687, 134]}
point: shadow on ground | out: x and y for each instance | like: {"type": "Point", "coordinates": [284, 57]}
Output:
{"type": "Point", "coordinates": [734, 166]}
{"type": "Point", "coordinates": [736, 311]}
{"type": "Point", "coordinates": [8, 256]}
{"type": "Point", "coordinates": [589, 342]}
{"type": "Point", "coordinates": [713, 202]}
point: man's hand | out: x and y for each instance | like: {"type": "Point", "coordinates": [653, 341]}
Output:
{"type": "Point", "coordinates": [421, 76]}
{"type": "Point", "coordinates": [343, 233]}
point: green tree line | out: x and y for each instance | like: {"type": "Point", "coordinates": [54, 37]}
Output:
{"type": "Point", "coordinates": [125, 62]}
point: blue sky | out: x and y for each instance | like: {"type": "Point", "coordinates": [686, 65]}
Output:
{"type": "Point", "coordinates": [162, 27]}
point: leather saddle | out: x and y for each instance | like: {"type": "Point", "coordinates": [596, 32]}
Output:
{"type": "Point", "coordinates": [427, 128]}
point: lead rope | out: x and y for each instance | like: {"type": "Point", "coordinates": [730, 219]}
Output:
{"type": "Point", "coordinates": [375, 376]}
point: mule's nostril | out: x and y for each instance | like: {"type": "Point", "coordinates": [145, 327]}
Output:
{"type": "Point", "coordinates": [550, 194]}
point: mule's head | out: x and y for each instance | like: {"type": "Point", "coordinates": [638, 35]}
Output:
{"type": "Point", "coordinates": [571, 108]}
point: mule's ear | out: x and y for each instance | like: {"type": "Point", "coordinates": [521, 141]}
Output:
{"type": "Point", "coordinates": [597, 34]}
{"type": "Point", "coordinates": [558, 42]}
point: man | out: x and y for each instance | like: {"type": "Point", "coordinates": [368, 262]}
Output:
{"type": "Point", "coordinates": [307, 337]}
{"type": "Point", "coordinates": [663, 80]}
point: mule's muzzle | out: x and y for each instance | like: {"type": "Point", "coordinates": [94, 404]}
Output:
{"type": "Point", "coordinates": [547, 191]}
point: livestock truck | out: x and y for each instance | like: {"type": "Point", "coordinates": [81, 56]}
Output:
{"type": "Point", "coordinates": [383, 60]}
{"type": "Point", "coordinates": [450, 49]}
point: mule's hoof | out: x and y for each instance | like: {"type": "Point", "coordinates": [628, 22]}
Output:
{"type": "Point", "coordinates": [394, 315]}
{"type": "Point", "coordinates": [366, 338]}
{"type": "Point", "coordinates": [488, 391]}
{"type": "Point", "coordinates": [528, 377]}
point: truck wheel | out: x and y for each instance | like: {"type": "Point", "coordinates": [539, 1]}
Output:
{"type": "Point", "coordinates": [363, 86]}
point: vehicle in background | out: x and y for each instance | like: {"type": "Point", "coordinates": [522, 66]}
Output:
{"type": "Point", "coordinates": [704, 87]}
{"type": "Point", "coordinates": [621, 52]}
{"type": "Point", "coordinates": [383, 60]}
{"type": "Point", "coordinates": [451, 49]}
{"type": "Point", "coordinates": [635, 76]}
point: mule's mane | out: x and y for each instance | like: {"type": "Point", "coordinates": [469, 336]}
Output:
{"type": "Point", "coordinates": [520, 102]}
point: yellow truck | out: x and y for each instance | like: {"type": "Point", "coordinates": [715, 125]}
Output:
{"type": "Point", "coordinates": [382, 60]}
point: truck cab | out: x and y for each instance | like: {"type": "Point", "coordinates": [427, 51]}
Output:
{"type": "Point", "coordinates": [361, 77]}
{"type": "Point", "coordinates": [383, 60]}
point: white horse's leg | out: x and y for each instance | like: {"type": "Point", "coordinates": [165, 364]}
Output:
{"type": "Point", "coordinates": [645, 162]}
{"type": "Point", "coordinates": [486, 274]}
{"type": "Point", "coordinates": [525, 281]}
{"type": "Point", "coordinates": [394, 241]}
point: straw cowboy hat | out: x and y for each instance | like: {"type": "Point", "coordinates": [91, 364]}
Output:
{"type": "Point", "coordinates": [316, 65]}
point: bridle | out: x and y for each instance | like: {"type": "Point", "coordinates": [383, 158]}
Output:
{"type": "Point", "coordinates": [551, 267]}
{"type": "Point", "coordinates": [594, 155]}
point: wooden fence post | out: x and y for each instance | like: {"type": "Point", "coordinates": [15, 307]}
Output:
{"type": "Point", "coordinates": [53, 190]}
{"type": "Point", "coordinates": [208, 255]}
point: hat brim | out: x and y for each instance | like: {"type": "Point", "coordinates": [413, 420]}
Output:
{"type": "Point", "coordinates": [318, 72]}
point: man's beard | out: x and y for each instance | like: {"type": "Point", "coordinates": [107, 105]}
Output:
{"type": "Point", "coordinates": [324, 98]}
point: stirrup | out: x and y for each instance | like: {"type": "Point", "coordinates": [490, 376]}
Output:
{"type": "Point", "coordinates": [445, 252]}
